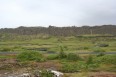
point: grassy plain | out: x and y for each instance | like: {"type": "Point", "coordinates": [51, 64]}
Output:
{"type": "Point", "coordinates": [51, 46]}
{"type": "Point", "coordinates": [70, 44]}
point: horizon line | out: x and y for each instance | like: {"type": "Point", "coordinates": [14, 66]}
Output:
{"type": "Point", "coordinates": [58, 26]}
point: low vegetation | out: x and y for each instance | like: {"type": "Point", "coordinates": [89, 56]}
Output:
{"type": "Point", "coordinates": [30, 56]}
{"type": "Point", "coordinates": [60, 53]}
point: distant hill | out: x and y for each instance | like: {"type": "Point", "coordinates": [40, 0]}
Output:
{"type": "Point", "coordinates": [62, 31]}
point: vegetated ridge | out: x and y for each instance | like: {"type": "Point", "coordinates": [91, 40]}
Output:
{"type": "Point", "coordinates": [63, 31]}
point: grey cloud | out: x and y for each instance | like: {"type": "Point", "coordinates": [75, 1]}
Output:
{"type": "Point", "coordinates": [14, 13]}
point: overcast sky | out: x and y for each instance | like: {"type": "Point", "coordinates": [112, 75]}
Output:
{"type": "Point", "coordinates": [14, 13]}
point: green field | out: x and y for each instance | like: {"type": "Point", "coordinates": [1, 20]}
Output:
{"type": "Point", "coordinates": [69, 44]}
{"type": "Point", "coordinates": [59, 52]}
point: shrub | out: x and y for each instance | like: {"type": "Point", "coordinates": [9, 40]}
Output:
{"type": "Point", "coordinates": [46, 73]}
{"type": "Point", "coordinates": [90, 64]}
{"type": "Point", "coordinates": [62, 55]}
{"type": "Point", "coordinates": [90, 60]}
{"type": "Point", "coordinates": [30, 56]}
{"type": "Point", "coordinates": [79, 66]}
{"type": "Point", "coordinates": [98, 50]}
{"type": "Point", "coordinates": [72, 57]}
{"type": "Point", "coordinates": [69, 67]}
{"type": "Point", "coordinates": [52, 57]}
{"type": "Point", "coordinates": [107, 59]}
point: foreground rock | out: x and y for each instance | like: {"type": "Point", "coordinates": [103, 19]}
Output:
{"type": "Point", "coordinates": [38, 74]}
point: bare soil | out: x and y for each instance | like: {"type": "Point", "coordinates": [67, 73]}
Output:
{"type": "Point", "coordinates": [103, 74]}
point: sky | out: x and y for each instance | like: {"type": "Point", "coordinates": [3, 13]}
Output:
{"type": "Point", "coordinates": [15, 13]}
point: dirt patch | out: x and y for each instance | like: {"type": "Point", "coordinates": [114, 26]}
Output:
{"type": "Point", "coordinates": [103, 74]}
{"type": "Point", "coordinates": [50, 64]}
